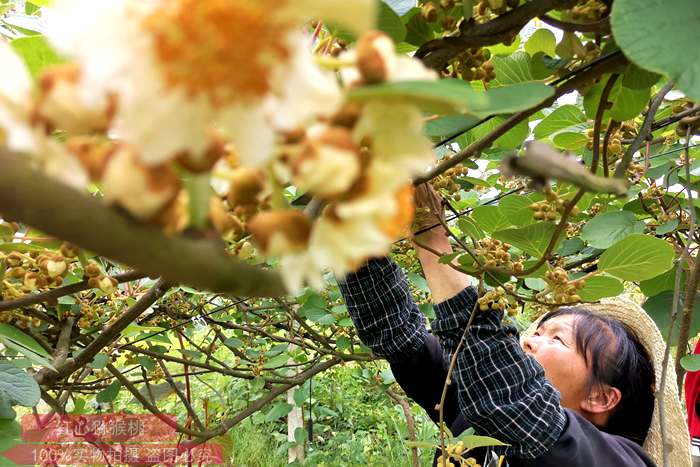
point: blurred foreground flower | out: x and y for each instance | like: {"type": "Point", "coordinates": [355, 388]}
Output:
{"type": "Point", "coordinates": [181, 67]}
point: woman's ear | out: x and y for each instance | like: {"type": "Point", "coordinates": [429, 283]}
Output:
{"type": "Point", "coordinates": [602, 399]}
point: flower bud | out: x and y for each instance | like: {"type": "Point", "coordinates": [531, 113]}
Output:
{"type": "Point", "coordinates": [280, 232]}
{"type": "Point", "coordinates": [142, 190]}
{"type": "Point", "coordinates": [56, 268]}
{"type": "Point", "coordinates": [107, 284]}
{"type": "Point", "coordinates": [92, 269]}
{"type": "Point", "coordinates": [222, 220]}
{"type": "Point", "coordinates": [329, 164]}
{"type": "Point", "coordinates": [247, 184]}
{"type": "Point", "coordinates": [60, 105]}
{"type": "Point", "coordinates": [69, 250]}
{"type": "Point", "coordinates": [92, 152]}
{"type": "Point", "coordinates": [376, 56]}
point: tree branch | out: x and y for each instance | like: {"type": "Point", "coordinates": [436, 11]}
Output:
{"type": "Point", "coordinates": [47, 376]}
{"type": "Point", "coordinates": [600, 68]}
{"type": "Point", "coordinates": [601, 26]}
{"type": "Point", "coordinates": [437, 53]}
{"type": "Point", "coordinates": [59, 292]}
{"type": "Point", "coordinates": [34, 199]}
{"type": "Point", "coordinates": [644, 131]}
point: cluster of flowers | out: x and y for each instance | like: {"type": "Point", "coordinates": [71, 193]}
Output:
{"type": "Point", "coordinates": [161, 91]}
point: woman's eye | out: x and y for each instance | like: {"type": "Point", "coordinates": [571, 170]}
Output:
{"type": "Point", "coordinates": [559, 339]}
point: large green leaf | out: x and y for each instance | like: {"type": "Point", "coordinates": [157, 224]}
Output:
{"type": "Point", "coordinates": [22, 339]}
{"type": "Point", "coordinates": [389, 22]}
{"type": "Point", "coordinates": [489, 218]}
{"type": "Point", "coordinates": [661, 36]}
{"type": "Point", "coordinates": [512, 139]}
{"type": "Point", "coordinates": [512, 69]}
{"type": "Point", "coordinates": [691, 362]}
{"type": "Point", "coordinates": [516, 208]}
{"type": "Point", "coordinates": [532, 239]}
{"type": "Point", "coordinates": [598, 287]}
{"type": "Point", "coordinates": [660, 283]}
{"type": "Point", "coordinates": [610, 227]}
{"type": "Point", "coordinates": [542, 40]}
{"type": "Point", "coordinates": [109, 393]}
{"type": "Point", "coordinates": [660, 308]}
{"type": "Point", "coordinates": [36, 53]}
{"type": "Point", "coordinates": [18, 386]}
{"type": "Point", "coordinates": [637, 257]}
{"type": "Point", "coordinates": [455, 96]}
{"type": "Point", "coordinates": [450, 125]}
{"type": "Point", "coordinates": [627, 102]}
{"type": "Point", "coordinates": [562, 118]}
{"type": "Point", "coordinates": [278, 410]}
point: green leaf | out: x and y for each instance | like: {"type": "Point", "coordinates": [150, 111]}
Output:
{"type": "Point", "coordinates": [542, 40]}
{"type": "Point", "coordinates": [610, 227]}
{"type": "Point", "coordinates": [668, 227]}
{"type": "Point", "coordinates": [36, 53]}
{"type": "Point", "coordinates": [390, 22]}
{"type": "Point", "coordinates": [320, 316]}
{"type": "Point", "coordinates": [146, 362]}
{"type": "Point", "coordinates": [109, 393]}
{"type": "Point", "coordinates": [489, 218]}
{"type": "Point", "coordinates": [531, 239]}
{"type": "Point", "coordinates": [279, 410]}
{"type": "Point", "coordinates": [9, 435]}
{"type": "Point", "coordinates": [660, 283]}
{"type": "Point", "coordinates": [638, 78]}
{"type": "Point", "coordinates": [468, 227]}
{"type": "Point", "coordinates": [100, 361]}
{"type": "Point", "coordinates": [30, 354]}
{"type": "Point", "coordinates": [515, 68]}
{"type": "Point", "coordinates": [661, 36]}
{"type": "Point", "coordinates": [563, 118]}
{"type": "Point", "coordinates": [691, 362]}
{"type": "Point", "coordinates": [455, 96]}
{"type": "Point", "coordinates": [570, 246]}
{"type": "Point", "coordinates": [18, 386]}
{"type": "Point", "coordinates": [6, 410]}
{"type": "Point", "coordinates": [637, 257]}
{"type": "Point", "coordinates": [516, 208]}
{"type": "Point", "coordinates": [512, 139]}
{"type": "Point", "coordinates": [450, 125]}
{"type": "Point", "coordinates": [598, 287]}
{"type": "Point", "coordinates": [475, 441]}
{"type": "Point", "coordinates": [418, 281]}
{"type": "Point", "coordinates": [343, 343]}
{"type": "Point", "coordinates": [233, 342]}
{"type": "Point", "coordinates": [570, 140]}
{"type": "Point", "coordinates": [17, 336]}
{"type": "Point", "coordinates": [627, 102]}
{"type": "Point", "coordinates": [660, 307]}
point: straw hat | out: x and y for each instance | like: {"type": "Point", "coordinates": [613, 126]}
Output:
{"type": "Point", "coordinates": [637, 320]}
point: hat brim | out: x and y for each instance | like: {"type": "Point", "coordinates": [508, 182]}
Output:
{"type": "Point", "coordinates": [639, 322]}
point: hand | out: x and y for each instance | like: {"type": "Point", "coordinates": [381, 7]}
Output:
{"type": "Point", "coordinates": [430, 209]}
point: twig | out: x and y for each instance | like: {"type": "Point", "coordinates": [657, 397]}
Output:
{"type": "Point", "coordinates": [110, 333]}
{"type": "Point", "coordinates": [612, 126]}
{"type": "Point", "coordinates": [644, 131]}
{"type": "Point", "coordinates": [602, 107]}
{"type": "Point", "coordinates": [410, 423]}
{"type": "Point", "coordinates": [59, 292]}
{"type": "Point", "coordinates": [183, 398]}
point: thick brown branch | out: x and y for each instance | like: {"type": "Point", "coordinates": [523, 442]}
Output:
{"type": "Point", "coordinates": [437, 53]}
{"type": "Point", "coordinates": [59, 292]}
{"type": "Point", "coordinates": [601, 26]}
{"type": "Point", "coordinates": [107, 336]}
{"type": "Point", "coordinates": [34, 199]}
{"type": "Point", "coordinates": [605, 66]}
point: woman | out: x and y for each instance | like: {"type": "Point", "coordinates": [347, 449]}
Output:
{"type": "Point", "coordinates": [578, 391]}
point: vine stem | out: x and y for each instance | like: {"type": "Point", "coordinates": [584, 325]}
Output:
{"type": "Point", "coordinates": [644, 131]}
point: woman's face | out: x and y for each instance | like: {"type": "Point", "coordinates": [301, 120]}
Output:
{"type": "Point", "coordinates": [553, 345]}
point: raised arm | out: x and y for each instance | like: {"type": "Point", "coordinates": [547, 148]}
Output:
{"type": "Point", "coordinates": [386, 318]}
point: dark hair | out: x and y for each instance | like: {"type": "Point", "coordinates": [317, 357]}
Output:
{"type": "Point", "coordinates": [615, 358]}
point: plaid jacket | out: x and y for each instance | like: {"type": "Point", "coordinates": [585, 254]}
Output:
{"type": "Point", "coordinates": [497, 389]}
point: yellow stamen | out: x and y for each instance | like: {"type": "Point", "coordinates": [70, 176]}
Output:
{"type": "Point", "coordinates": [221, 48]}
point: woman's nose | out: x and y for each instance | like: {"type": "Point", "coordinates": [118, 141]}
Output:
{"type": "Point", "coordinates": [530, 344]}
